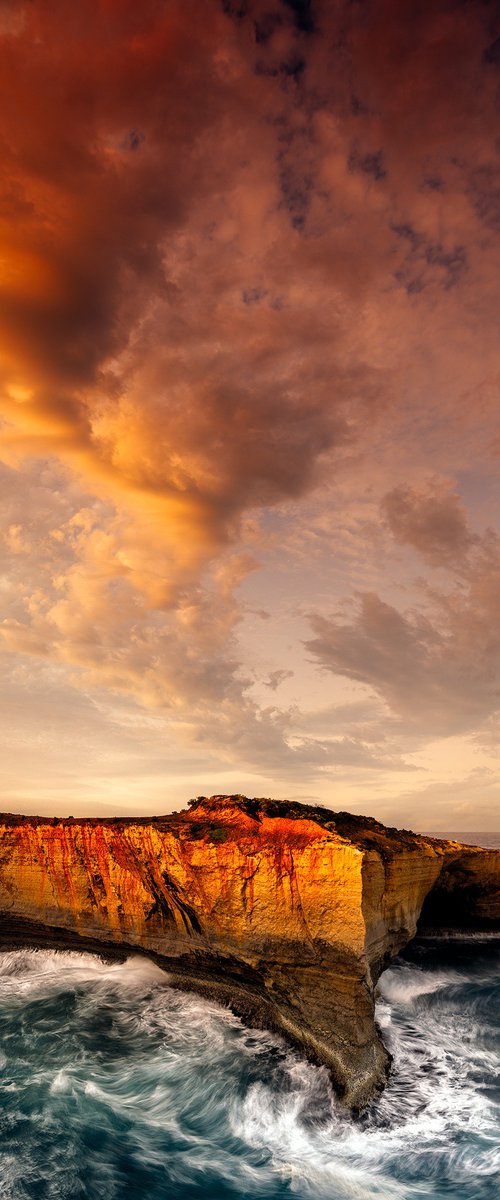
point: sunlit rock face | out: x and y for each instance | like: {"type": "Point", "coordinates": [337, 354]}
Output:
{"type": "Point", "coordinates": [286, 912]}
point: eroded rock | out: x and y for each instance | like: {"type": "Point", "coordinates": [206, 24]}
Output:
{"type": "Point", "coordinates": [286, 912]}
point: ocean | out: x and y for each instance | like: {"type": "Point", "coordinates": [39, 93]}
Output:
{"type": "Point", "coordinates": [491, 841]}
{"type": "Point", "coordinates": [115, 1086]}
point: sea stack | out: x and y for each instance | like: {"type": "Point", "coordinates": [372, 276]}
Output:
{"type": "Point", "coordinates": [286, 912]}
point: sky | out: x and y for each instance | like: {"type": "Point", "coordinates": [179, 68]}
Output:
{"type": "Point", "coordinates": [249, 420]}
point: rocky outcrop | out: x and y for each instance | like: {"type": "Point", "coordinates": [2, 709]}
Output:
{"type": "Point", "coordinates": [286, 912]}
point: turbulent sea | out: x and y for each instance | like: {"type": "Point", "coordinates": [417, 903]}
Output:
{"type": "Point", "coordinates": [114, 1086]}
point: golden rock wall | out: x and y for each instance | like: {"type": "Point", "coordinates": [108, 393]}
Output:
{"type": "Point", "coordinates": [285, 912]}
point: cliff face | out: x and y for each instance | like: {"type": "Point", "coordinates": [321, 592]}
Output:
{"type": "Point", "coordinates": [288, 913]}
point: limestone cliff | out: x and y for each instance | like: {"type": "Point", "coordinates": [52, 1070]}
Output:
{"type": "Point", "coordinates": [287, 912]}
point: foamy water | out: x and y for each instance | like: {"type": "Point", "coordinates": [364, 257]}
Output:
{"type": "Point", "coordinates": [114, 1085]}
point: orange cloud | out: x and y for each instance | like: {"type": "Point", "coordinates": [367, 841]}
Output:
{"type": "Point", "coordinates": [245, 255]}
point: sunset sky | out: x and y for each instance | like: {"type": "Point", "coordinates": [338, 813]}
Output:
{"type": "Point", "coordinates": [249, 430]}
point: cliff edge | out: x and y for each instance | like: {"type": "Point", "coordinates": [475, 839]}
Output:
{"type": "Point", "coordinates": [288, 913]}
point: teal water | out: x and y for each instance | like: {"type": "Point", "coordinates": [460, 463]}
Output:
{"type": "Point", "coordinates": [116, 1087]}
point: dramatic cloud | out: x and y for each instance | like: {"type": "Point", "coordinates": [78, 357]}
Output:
{"type": "Point", "coordinates": [248, 305]}
{"type": "Point", "coordinates": [436, 666]}
{"type": "Point", "coordinates": [434, 523]}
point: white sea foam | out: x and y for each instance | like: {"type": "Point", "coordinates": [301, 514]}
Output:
{"type": "Point", "coordinates": [409, 982]}
{"type": "Point", "coordinates": [33, 971]}
{"type": "Point", "coordinates": [177, 1088]}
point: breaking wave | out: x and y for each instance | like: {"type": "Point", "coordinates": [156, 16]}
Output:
{"type": "Point", "coordinates": [115, 1085]}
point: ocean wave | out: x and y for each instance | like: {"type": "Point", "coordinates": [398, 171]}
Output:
{"type": "Point", "coordinates": [114, 1083]}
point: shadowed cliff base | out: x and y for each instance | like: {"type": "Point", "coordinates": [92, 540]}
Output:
{"type": "Point", "coordinates": [286, 912]}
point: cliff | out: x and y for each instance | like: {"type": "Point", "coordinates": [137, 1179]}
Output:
{"type": "Point", "coordinates": [286, 912]}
